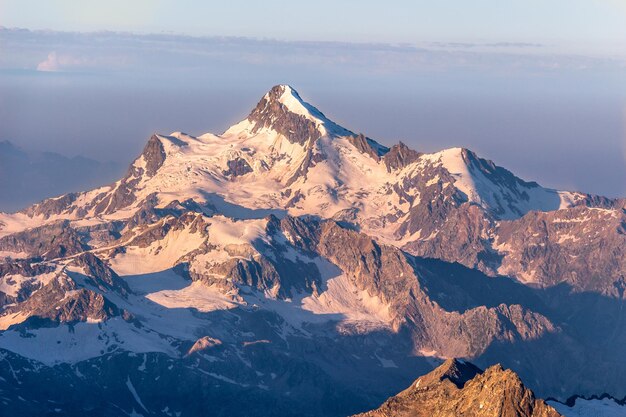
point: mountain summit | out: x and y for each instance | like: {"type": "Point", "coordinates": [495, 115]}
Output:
{"type": "Point", "coordinates": [459, 389]}
{"type": "Point", "coordinates": [283, 111]}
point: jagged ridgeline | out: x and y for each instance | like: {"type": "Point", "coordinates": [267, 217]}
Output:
{"type": "Point", "coordinates": [292, 267]}
{"type": "Point", "coordinates": [460, 389]}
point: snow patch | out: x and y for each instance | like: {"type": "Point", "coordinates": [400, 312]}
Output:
{"type": "Point", "coordinates": [197, 296]}
{"type": "Point", "coordinates": [159, 255]}
{"type": "Point", "coordinates": [65, 344]}
{"type": "Point", "coordinates": [606, 407]}
{"type": "Point", "coordinates": [133, 391]}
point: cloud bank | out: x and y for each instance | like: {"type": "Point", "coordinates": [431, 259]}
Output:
{"type": "Point", "coordinates": [114, 51]}
{"type": "Point", "coordinates": [55, 62]}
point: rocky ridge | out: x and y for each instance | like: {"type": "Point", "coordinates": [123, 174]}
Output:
{"type": "Point", "coordinates": [457, 389]}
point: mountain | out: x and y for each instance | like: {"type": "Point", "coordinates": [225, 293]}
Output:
{"type": "Point", "coordinates": [29, 176]}
{"type": "Point", "coordinates": [292, 267]}
{"type": "Point", "coordinates": [457, 389]}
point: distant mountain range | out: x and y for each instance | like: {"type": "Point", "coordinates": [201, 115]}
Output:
{"type": "Point", "coordinates": [290, 266]}
{"type": "Point", "coordinates": [27, 177]}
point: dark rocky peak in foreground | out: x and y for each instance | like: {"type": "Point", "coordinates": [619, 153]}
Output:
{"type": "Point", "coordinates": [459, 389]}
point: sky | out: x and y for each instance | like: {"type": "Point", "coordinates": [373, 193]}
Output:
{"type": "Point", "coordinates": [538, 86]}
{"type": "Point", "coordinates": [569, 21]}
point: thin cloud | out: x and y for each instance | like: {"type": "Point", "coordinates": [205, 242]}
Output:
{"type": "Point", "coordinates": [66, 62]}
{"type": "Point", "coordinates": [50, 64]}
{"type": "Point", "coordinates": [472, 45]}
{"type": "Point", "coordinates": [111, 51]}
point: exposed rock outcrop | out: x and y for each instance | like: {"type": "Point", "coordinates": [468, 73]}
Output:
{"type": "Point", "coordinates": [98, 273]}
{"type": "Point", "coordinates": [203, 344]}
{"type": "Point", "coordinates": [399, 156]}
{"type": "Point", "coordinates": [62, 301]}
{"type": "Point", "coordinates": [368, 146]}
{"type": "Point", "coordinates": [459, 389]}
{"type": "Point", "coordinates": [56, 240]}
{"type": "Point", "coordinates": [237, 167]}
{"type": "Point", "coordinates": [270, 112]}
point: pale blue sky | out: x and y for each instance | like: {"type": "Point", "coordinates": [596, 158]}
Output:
{"type": "Point", "coordinates": [592, 25]}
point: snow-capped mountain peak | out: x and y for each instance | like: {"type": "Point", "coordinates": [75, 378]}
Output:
{"type": "Point", "coordinates": [283, 111]}
{"type": "Point", "coordinates": [482, 182]}
{"type": "Point", "coordinates": [289, 97]}
{"type": "Point", "coordinates": [287, 155]}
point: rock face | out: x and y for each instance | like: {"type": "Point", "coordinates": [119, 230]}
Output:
{"type": "Point", "coordinates": [100, 274]}
{"type": "Point", "coordinates": [400, 156]}
{"type": "Point", "coordinates": [62, 301]}
{"type": "Point", "coordinates": [123, 194]}
{"type": "Point", "coordinates": [237, 167]}
{"type": "Point", "coordinates": [272, 112]}
{"type": "Point", "coordinates": [368, 146]}
{"type": "Point", "coordinates": [50, 241]}
{"type": "Point", "coordinates": [458, 389]}
{"type": "Point", "coordinates": [203, 344]}
{"type": "Point", "coordinates": [312, 271]}
{"type": "Point", "coordinates": [153, 155]}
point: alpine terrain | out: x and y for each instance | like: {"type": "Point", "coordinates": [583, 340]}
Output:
{"type": "Point", "coordinates": [292, 267]}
